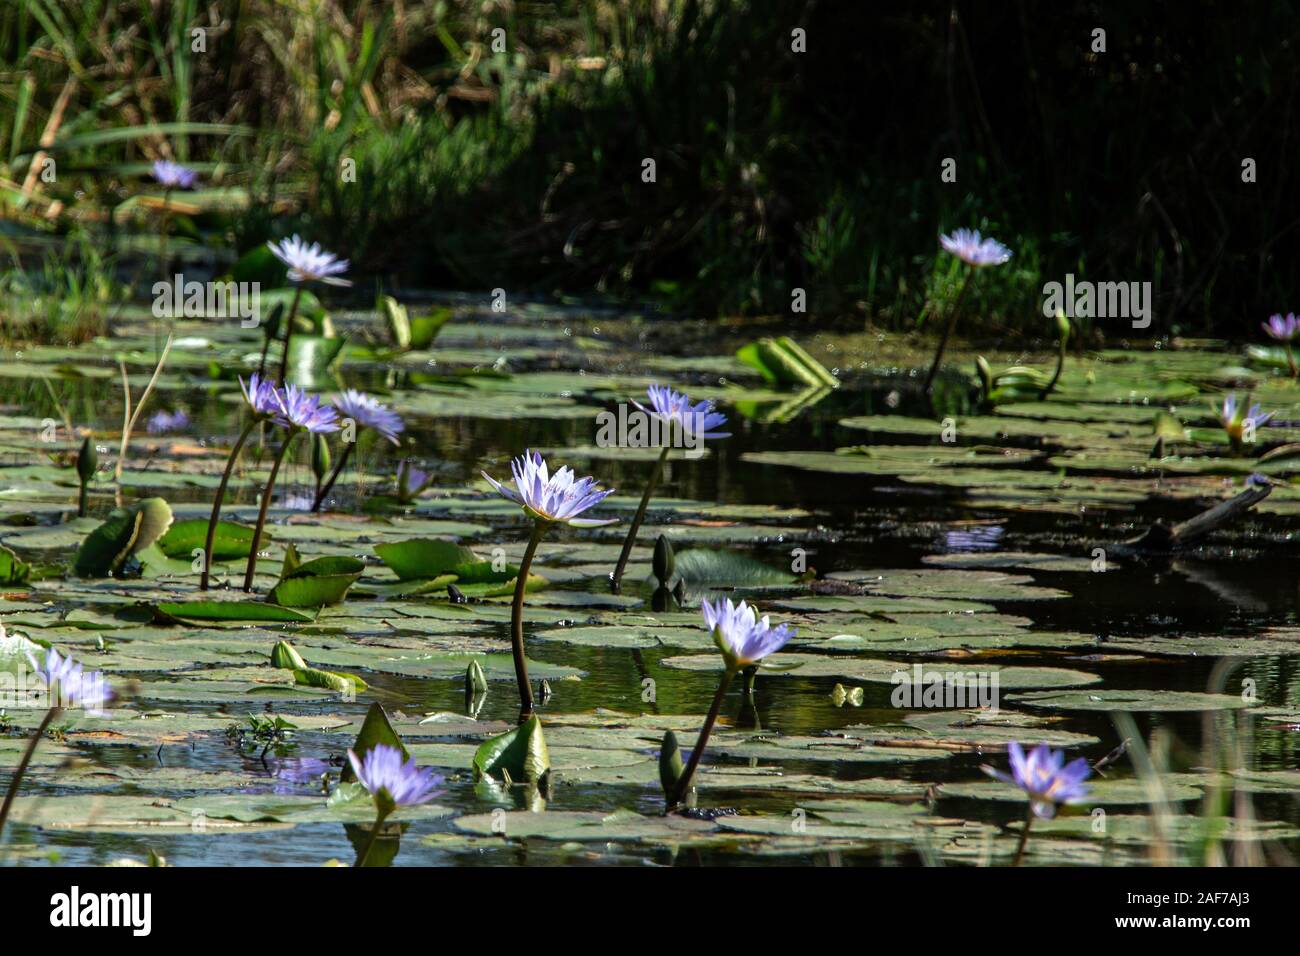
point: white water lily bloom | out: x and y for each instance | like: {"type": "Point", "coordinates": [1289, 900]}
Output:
{"type": "Point", "coordinates": [975, 250]}
{"type": "Point", "coordinates": [307, 263]}
{"type": "Point", "coordinates": [743, 637]}
{"type": "Point", "coordinates": [674, 408]}
{"type": "Point", "coordinates": [560, 497]}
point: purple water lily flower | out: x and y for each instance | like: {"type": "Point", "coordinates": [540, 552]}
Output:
{"type": "Point", "coordinates": [1235, 418]}
{"type": "Point", "coordinates": [1045, 777]}
{"type": "Point", "coordinates": [70, 684]}
{"type": "Point", "coordinates": [392, 781]}
{"type": "Point", "coordinates": [174, 175]}
{"type": "Point", "coordinates": [298, 408]}
{"type": "Point", "coordinates": [367, 411]}
{"type": "Point", "coordinates": [1283, 328]}
{"type": "Point", "coordinates": [160, 423]}
{"type": "Point", "coordinates": [675, 408]}
{"type": "Point", "coordinates": [743, 637]}
{"type": "Point", "coordinates": [411, 480]}
{"type": "Point", "coordinates": [307, 263]}
{"type": "Point", "coordinates": [261, 395]}
{"type": "Point", "coordinates": [560, 497]}
{"type": "Point", "coordinates": [968, 246]}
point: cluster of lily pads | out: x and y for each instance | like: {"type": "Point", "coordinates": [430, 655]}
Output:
{"type": "Point", "coordinates": [549, 498]}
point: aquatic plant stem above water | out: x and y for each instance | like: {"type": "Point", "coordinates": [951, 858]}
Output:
{"type": "Point", "coordinates": [288, 334]}
{"type": "Point", "coordinates": [334, 475]}
{"type": "Point", "coordinates": [22, 764]}
{"type": "Point", "coordinates": [616, 580]}
{"type": "Point", "coordinates": [131, 416]}
{"type": "Point", "coordinates": [684, 781]}
{"type": "Point", "coordinates": [1024, 836]}
{"type": "Point", "coordinates": [219, 499]}
{"type": "Point", "coordinates": [948, 329]}
{"type": "Point", "coordinates": [266, 503]}
{"type": "Point", "coordinates": [371, 840]}
{"type": "Point", "coordinates": [517, 623]}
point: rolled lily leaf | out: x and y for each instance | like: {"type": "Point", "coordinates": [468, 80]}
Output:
{"type": "Point", "coordinates": [285, 656]}
{"type": "Point", "coordinates": [126, 531]}
{"type": "Point", "coordinates": [520, 753]}
{"type": "Point", "coordinates": [703, 568]}
{"type": "Point", "coordinates": [398, 321]}
{"type": "Point", "coordinates": [475, 678]}
{"type": "Point", "coordinates": [13, 569]}
{"type": "Point", "coordinates": [782, 361]}
{"type": "Point", "coordinates": [343, 683]}
{"type": "Point", "coordinates": [663, 560]}
{"type": "Point", "coordinates": [670, 763]}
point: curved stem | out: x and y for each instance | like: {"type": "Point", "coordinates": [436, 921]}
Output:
{"type": "Point", "coordinates": [370, 844]}
{"type": "Point", "coordinates": [616, 581]}
{"type": "Point", "coordinates": [338, 470]}
{"type": "Point", "coordinates": [1060, 366]}
{"type": "Point", "coordinates": [684, 782]}
{"type": "Point", "coordinates": [1024, 835]}
{"type": "Point", "coordinates": [261, 513]}
{"type": "Point", "coordinates": [288, 335]}
{"type": "Point", "coordinates": [166, 227]}
{"type": "Point", "coordinates": [22, 765]}
{"type": "Point", "coordinates": [517, 624]}
{"type": "Point", "coordinates": [266, 345]}
{"type": "Point", "coordinates": [164, 265]}
{"type": "Point", "coordinates": [947, 332]}
{"type": "Point", "coordinates": [216, 504]}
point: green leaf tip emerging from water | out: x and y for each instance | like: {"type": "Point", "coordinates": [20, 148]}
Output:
{"type": "Point", "coordinates": [670, 763]}
{"type": "Point", "coordinates": [520, 753]}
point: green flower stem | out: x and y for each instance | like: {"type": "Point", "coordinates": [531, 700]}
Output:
{"type": "Point", "coordinates": [374, 836]}
{"type": "Point", "coordinates": [162, 253]}
{"type": "Point", "coordinates": [616, 581]}
{"type": "Point", "coordinates": [948, 329]}
{"type": "Point", "coordinates": [266, 345]}
{"type": "Point", "coordinates": [1056, 377]}
{"type": "Point", "coordinates": [517, 624]}
{"type": "Point", "coordinates": [338, 469]}
{"type": "Point", "coordinates": [266, 503]}
{"type": "Point", "coordinates": [684, 782]}
{"type": "Point", "coordinates": [288, 335]}
{"type": "Point", "coordinates": [1290, 360]}
{"type": "Point", "coordinates": [22, 764]}
{"type": "Point", "coordinates": [83, 499]}
{"type": "Point", "coordinates": [217, 502]}
{"type": "Point", "coordinates": [166, 227]}
{"type": "Point", "coordinates": [1024, 835]}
